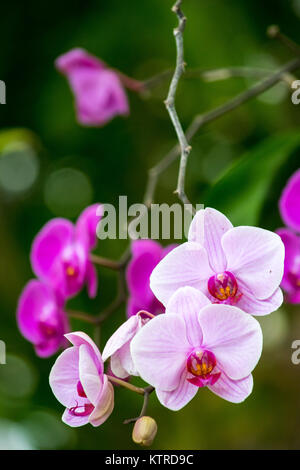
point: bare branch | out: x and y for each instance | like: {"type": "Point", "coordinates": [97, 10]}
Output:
{"type": "Point", "coordinates": [105, 262]}
{"type": "Point", "coordinates": [86, 317]}
{"type": "Point", "coordinates": [274, 32]}
{"type": "Point", "coordinates": [147, 392]}
{"type": "Point", "coordinates": [208, 75]}
{"type": "Point", "coordinates": [201, 119]}
{"type": "Point", "coordinates": [129, 386]}
{"type": "Point", "coordinates": [185, 148]}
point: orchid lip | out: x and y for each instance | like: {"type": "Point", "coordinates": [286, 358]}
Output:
{"type": "Point", "coordinates": [223, 286]}
{"type": "Point", "coordinates": [87, 409]}
{"type": "Point", "coordinates": [71, 270]}
{"type": "Point", "coordinates": [47, 329]}
{"type": "Point", "coordinates": [201, 382]}
{"type": "Point", "coordinates": [201, 364]}
{"type": "Point", "coordinates": [294, 279]}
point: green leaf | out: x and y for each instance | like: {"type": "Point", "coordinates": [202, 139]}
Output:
{"type": "Point", "coordinates": [240, 192]}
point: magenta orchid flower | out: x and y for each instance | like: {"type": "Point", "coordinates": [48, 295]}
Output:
{"type": "Point", "coordinates": [78, 382]}
{"type": "Point", "coordinates": [197, 344]}
{"type": "Point", "coordinates": [146, 254]}
{"type": "Point", "coordinates": [289, 203]}
{"type": "Point", "coordinates": [241, 266]}
{"type": "Point", "coordinates": [99, 94]}
{"type": "Point", "coordinates": [291, 277]}
{"type": "Point", "coordinates": [60, 253]}
{"type": "Point", "coordinates": [118, 346]}
{"type": "Point", "coordinates": [41, 319]}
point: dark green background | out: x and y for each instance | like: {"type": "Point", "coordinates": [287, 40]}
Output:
{"type": "Point", "coordinates": [136, 37]}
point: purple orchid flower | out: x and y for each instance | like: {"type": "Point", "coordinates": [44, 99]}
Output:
{"type": "Point", "coordinates": [99, 94]}
{"type": "Point", "coordinates": [197, 344]}
{"type": "Point", "coordinates": [289, 203]}
{"type": "Point", "coordinates": [118, 346]}
{"type": "Point", "coordinates": [78, 382]}
{"type": "Point", "coordinates": [41, 319]}
{"type": "Point", "coordinates": [146, 254]}
{"type": "Point", "coordinates": [240, 266]}
{"type": "Point", "coordinates": [60, 253]}
{"type": "Point", "coordinates": [291, 277]}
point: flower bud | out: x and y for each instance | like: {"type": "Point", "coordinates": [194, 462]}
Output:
{"type": "Point", "coordinates": [144, 431]}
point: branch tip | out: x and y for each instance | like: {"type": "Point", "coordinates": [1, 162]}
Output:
{"type": "Point", "coordinates": [273, 31]}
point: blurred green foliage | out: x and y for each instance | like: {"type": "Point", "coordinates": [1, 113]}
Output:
{"type": "Point", "coordinates": [239, 164]}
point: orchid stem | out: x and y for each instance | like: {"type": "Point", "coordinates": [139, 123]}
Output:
{"type": "Point", "coordinates": [86, 317]}
{"type": "Point", "coordinates": [122, 383]}
{"type": "Point", "coordinates": [105, 262]}
{"type": "Point", "coordinates": [185, 148]}
{"type": "Point", "coordinates": [147, 391]}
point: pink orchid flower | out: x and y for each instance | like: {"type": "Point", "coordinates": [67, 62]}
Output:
{"type": "Point", "coordinates": [118, 346]}
{"type": "Point", "coordinates": [241, 266]}
{"type": "Point", "coordinates": [146, 254]}
{"type": "Point", "coordinates": [289, 203]}
{"type": "Point", "coordinates": [291, 277]}
{"type": "Point", "coordinates": [41, 318]}
{"type": "Point", "coordinates": [78, 382]}
{"type": "Point", "coordinates": [197, 344]}
{"type": "Point", "coordinates": [60, 253]}
{"type": "Point", "coordinates": [99, 94]}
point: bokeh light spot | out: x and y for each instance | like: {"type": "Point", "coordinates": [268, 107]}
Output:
{"type": "Point", "coordinates": [17, 378]}
{"type": "Point", "coordinates": [13, 436]}
{"type": "Point", "coordinates": [275, 328]}
{"type": "Point", "coordinates": [19, 168]}
{"type": "Point", "coordinates": [67, 192]}
{"type": "Point", "coordinates": [47, 431]}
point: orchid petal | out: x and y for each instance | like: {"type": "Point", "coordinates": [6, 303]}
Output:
{"type": "Point", "coordinates": [64, 377]}
{"type": "Point", "coordinates": [256, 257]}
{"type": "Point", "coordinates": [234, 391]}
{"type": "Point", "coordinates": [89, 374]}
{"type": "Point", "coordinates": [290, 202]}
{"type": "Point", "coordinates": [159, 351]}
{"type": "Point", "coordinates": [121, 336]}
{"type": "Point", "coordinates": [233, 336]}
{"type": "Point", "coordinates": [292, 257]}
{"type": "Point", "coordinates": [187, 302]}
{"type": "Point", "coordinates": [91, 279]}
{"type": "Point", "coordinates": [178, 398]}
{"type": "Point", "coordinates": [86, 225]}
{"type": "Point", "coordinates": [104, 405]}
{"type": "Point", "coordinates": [207, 228]}
{"type": "Point", "coordinates": [248, 303]}
{"type": "Point", "coordinates": [186, 265]}
{"type": "Point", "coordinates": [48, 244]}
{"type": "Point", "coordinates": [78, 338]}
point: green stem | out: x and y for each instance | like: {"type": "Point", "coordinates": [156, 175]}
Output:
{"type": "Point", "coordinates": [107, 263]}
{"type": "Point", "coordinates": [122, 383]}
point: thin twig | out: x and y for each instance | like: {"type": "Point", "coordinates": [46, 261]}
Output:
{"type": "Point", "coordinates": [147, 392]}
{"type": "Point", "coordinates": [208, 75]}
{"type": "Point", "coordinates": [117, 302]}
{"type": "Point", "coordinates": [96, 320]}
{"type": "Point", "coordinates": [170, 102]}
{"type": "Point", "coordinates": [130, 83]}
{"type": "Point", "coordinates": [201, 119]}
{"type": "Point", "coordinates": [105, 262]}
{"type": "Point", "coordinates": [275, 33]}
{"type": "Point", "coordinates": [129, 386]}
{"type": "Point", "coordinates": [86, 317]}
